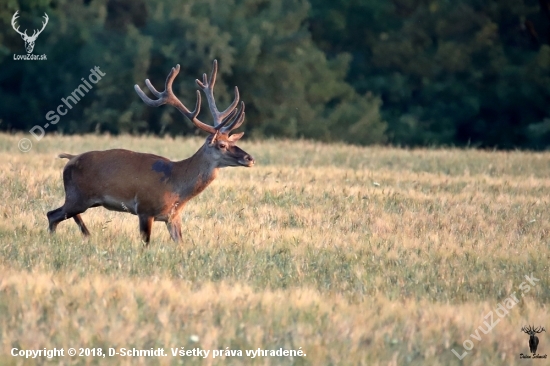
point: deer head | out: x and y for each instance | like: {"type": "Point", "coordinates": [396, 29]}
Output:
{"type": "Point", "coordinates": [29, 40]}
{"type": "Point", "coordinates": [220, 146]}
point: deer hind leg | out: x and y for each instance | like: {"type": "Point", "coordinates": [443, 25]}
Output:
{"type": "Point", "coordinates": [72, 208]}
{"type": "Point", "coordinates": [54, 218]}
{"type": "Point", "coordinates": [81, 225]}
{"type": "Point", "coordinates": [145, 225]}
{"type": "Point", "coordinates": [174, 228]}
{"type": "Point", "coordinates": [75, 204]}
{"type": "Point", "coordinates": [63, 213]}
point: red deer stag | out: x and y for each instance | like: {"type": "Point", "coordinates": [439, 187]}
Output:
{"type": "Point", "coordinates": [150, 186]}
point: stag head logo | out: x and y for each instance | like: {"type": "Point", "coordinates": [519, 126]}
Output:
{"type": "Point", "coordinates": [533, 339]}
{"type": "Point", "coordinates": [29, 40]}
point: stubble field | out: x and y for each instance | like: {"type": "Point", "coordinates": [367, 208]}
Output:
{"type": "Point", "coordinates": [356, 256]}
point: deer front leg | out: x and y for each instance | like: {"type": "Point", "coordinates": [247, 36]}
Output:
{"type": "Point", "coordinates": [174, 228]}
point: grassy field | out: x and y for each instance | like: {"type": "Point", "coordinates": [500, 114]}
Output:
{"type": "Point", "coordinates": [360, 256]}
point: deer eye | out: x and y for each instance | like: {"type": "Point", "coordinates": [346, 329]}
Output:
{"type": "Point", "coordinates": [222, 145]}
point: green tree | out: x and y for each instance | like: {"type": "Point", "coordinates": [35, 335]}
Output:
{"type": "Point", "coordinates": [447, 72]}
{"type": "Point", "coordinates": [290, 88]}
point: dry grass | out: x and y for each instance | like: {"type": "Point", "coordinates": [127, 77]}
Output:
{"type": "Point", "coordinates": [368, 256]}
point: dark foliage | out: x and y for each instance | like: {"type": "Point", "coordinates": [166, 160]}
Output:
{"type": "Point", "coordinates": [407, 72]}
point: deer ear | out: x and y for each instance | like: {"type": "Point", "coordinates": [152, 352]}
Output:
{"type": "Point", "coordinates": [235, 137]}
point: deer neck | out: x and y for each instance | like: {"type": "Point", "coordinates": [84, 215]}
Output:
{"type": "Point", "coordinates": [194, 174]}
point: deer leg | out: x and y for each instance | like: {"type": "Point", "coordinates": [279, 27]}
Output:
{"type": "Point", "coordinates": [145, 225]}
{"type": "Point", "coordinates": [78, 219]}
{"type": "Point", "coordinates": [61, 214]}
{"type": "Point", "coordinates": [75, 204]}
{"type": "Point", "coordinates": [65, 212]}
{"type": "Point", "coordinates": [54, 218]}
{"type": "Point", "coordinates": [174, 228]}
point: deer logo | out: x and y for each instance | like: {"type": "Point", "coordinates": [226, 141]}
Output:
{"type": "Point", "coordinates": [533, 339]}
{"type": "Point", "coordinates": [29, 40]}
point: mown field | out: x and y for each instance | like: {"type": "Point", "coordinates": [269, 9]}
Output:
{"type": "Point", "coordinates": [360, 256]}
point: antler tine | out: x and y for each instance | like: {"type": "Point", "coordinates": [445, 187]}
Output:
{"type": "Point", "coordinates": [236, 122]}
{"type": "Point", "coordinates": [168, 93]}
{"type": "Point", "coordinates": [13, 24]}
{"type": "Point", "coordinates": [168, 97]}
{"type": "Point", "coordinates": [208, 87]}
{"type": "Point", "coordinates": [226, 120]}
{"type": "Point", "coordinates": [44, 23]}
{"type": "Point", "coordinates": [37, 32]}
{"type": "Point", "coordinates": [151, 88]}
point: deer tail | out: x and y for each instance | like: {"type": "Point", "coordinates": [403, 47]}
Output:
{"type": "Point", "coordinates": [65, 156]}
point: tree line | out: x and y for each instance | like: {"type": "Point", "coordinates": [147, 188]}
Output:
{"type": "Point", "coordinates": [402, 72]}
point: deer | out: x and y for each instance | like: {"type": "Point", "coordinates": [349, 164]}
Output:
{"type": "Point", "coordinates": [533, 339]}
{"type": "Point", "coordinates": [152, 187]}
{"type": "Point", "coordinates": [29, 40]}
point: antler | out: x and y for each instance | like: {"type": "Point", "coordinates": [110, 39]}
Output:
{"type": "Point", "coordinates": [13, 19]}
{"type": "Point", "coordinates": [24, 34]}
{"type": "Point", "coordinates": [224, 122]}
{"type": "Point", "coordinates": [34, 36]}
{"type": "Point", "coordinates": [532, 330]}
{"type": "Point", "coordinates": [168, 97]}
{"type": "Point", "coordinates": [221, 118]}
